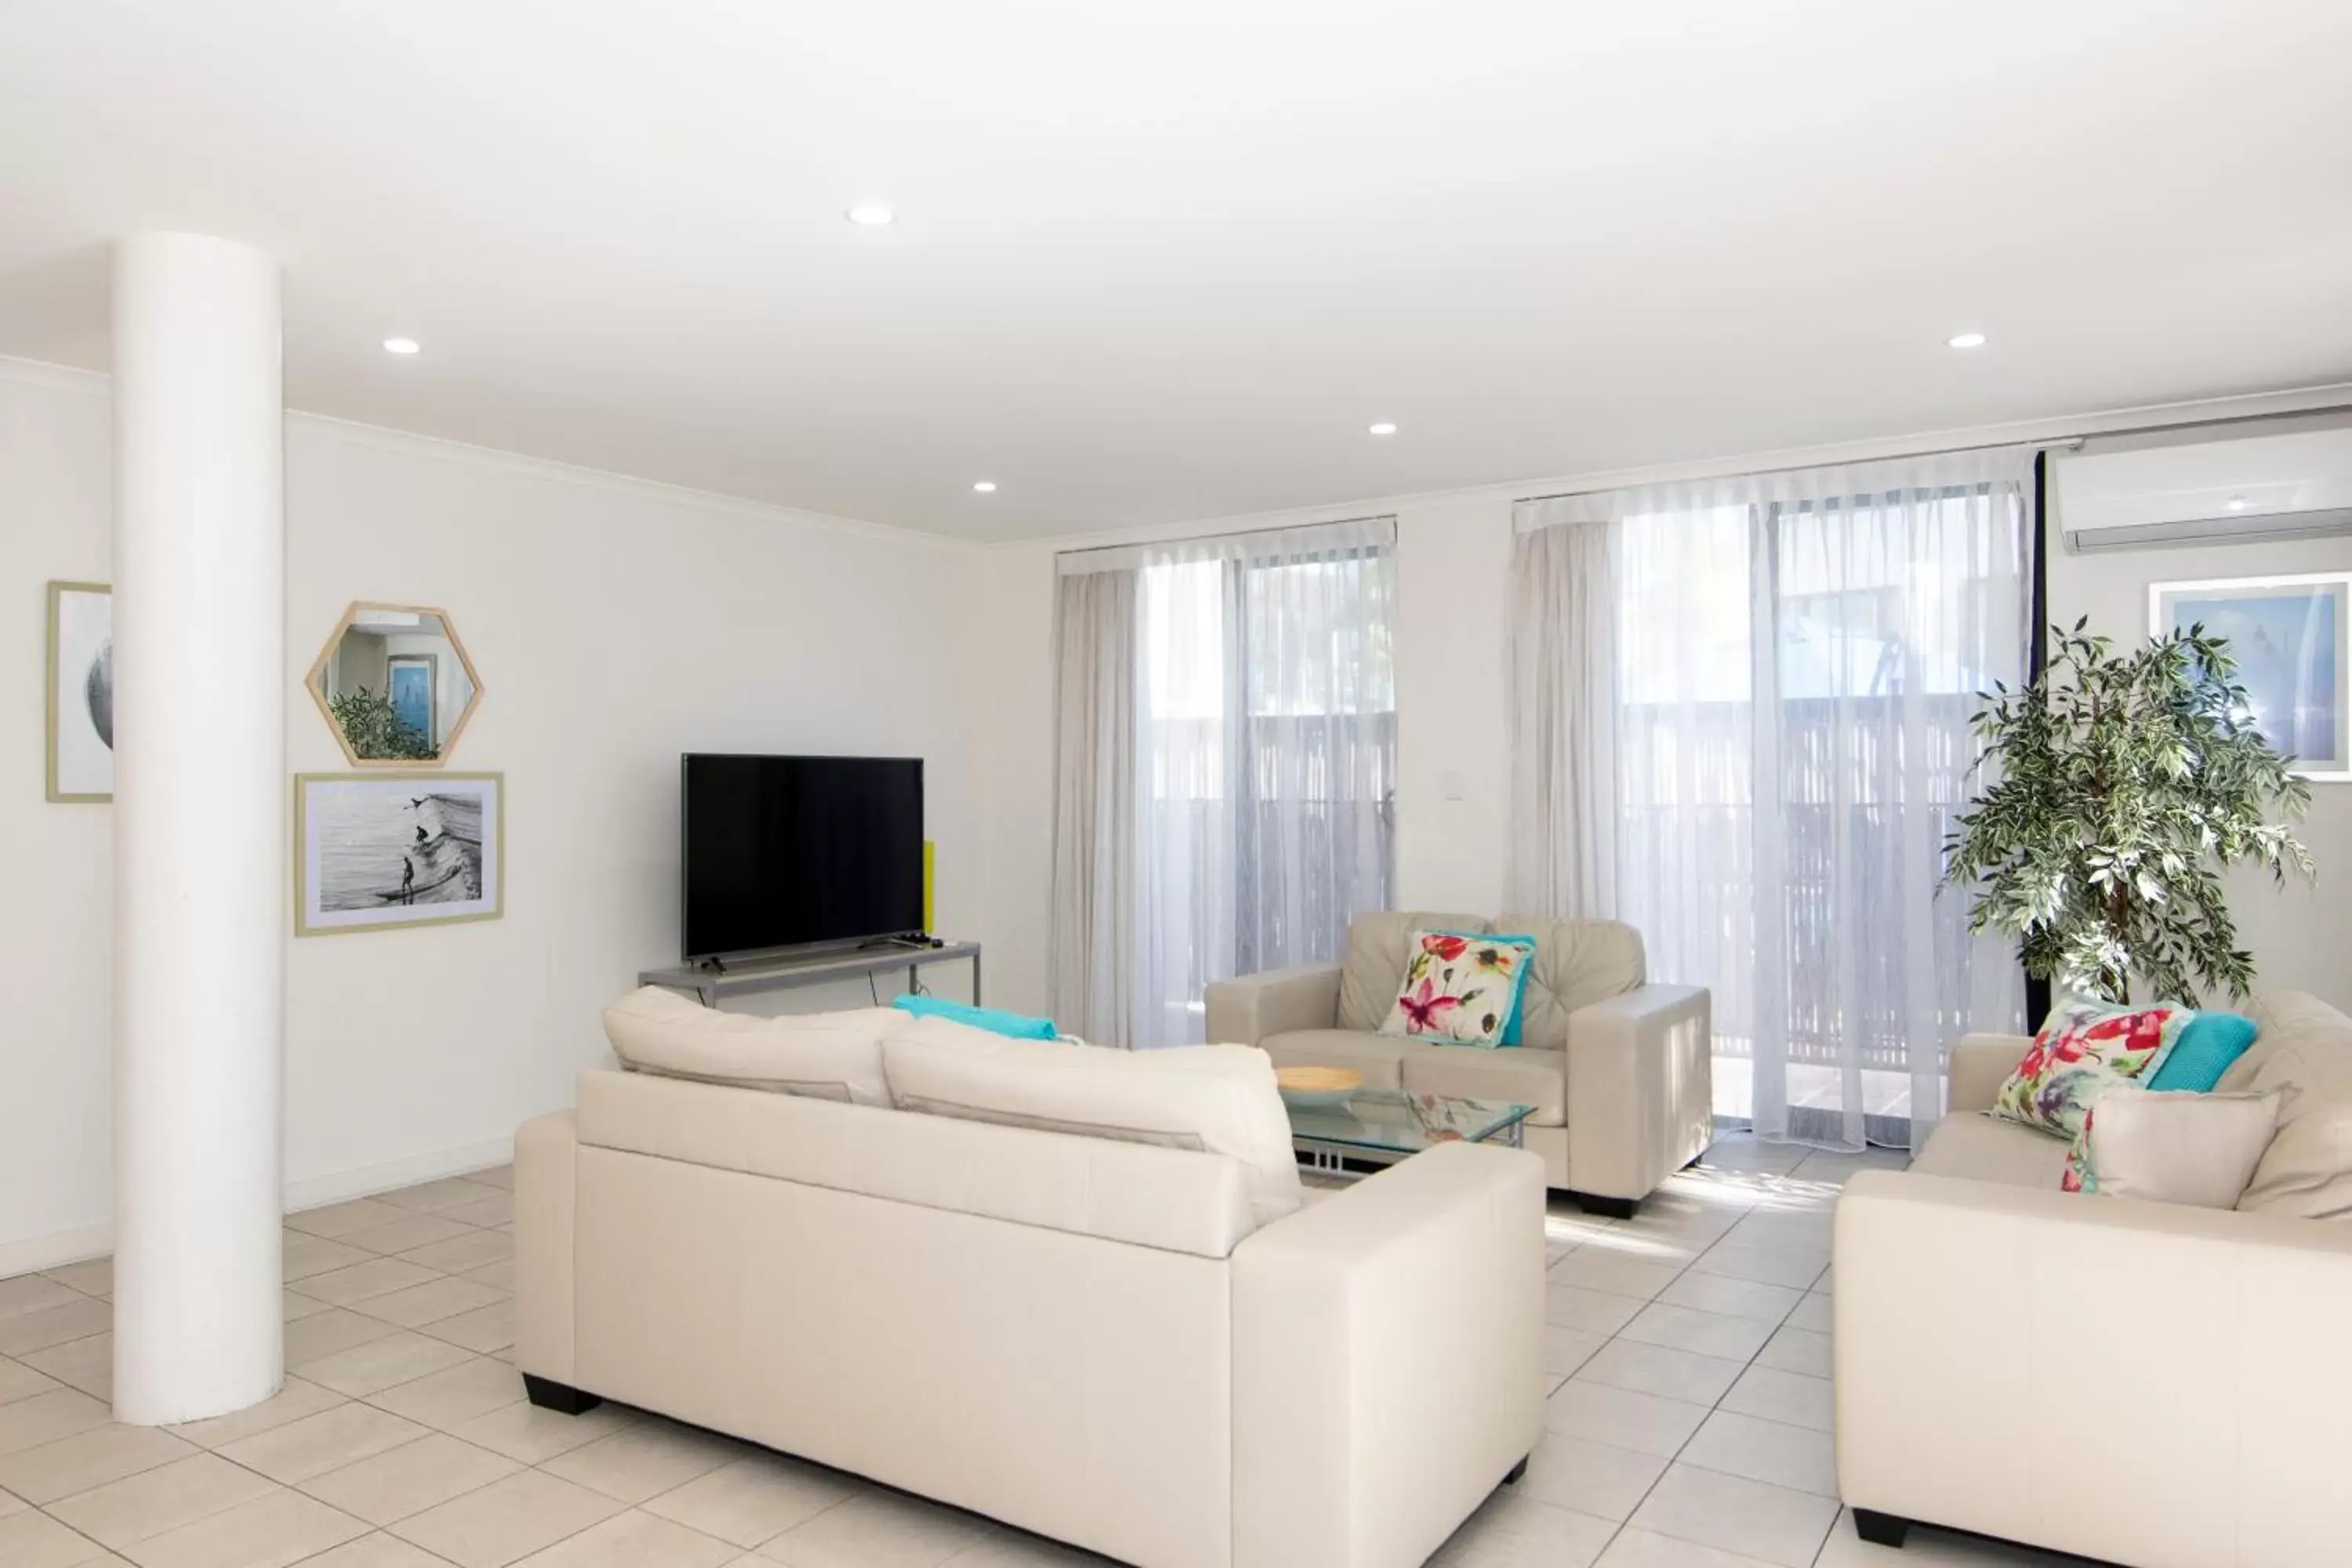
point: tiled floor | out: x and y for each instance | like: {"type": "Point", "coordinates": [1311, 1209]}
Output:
{"type": "Point", "coordinates": [1689, 1417]}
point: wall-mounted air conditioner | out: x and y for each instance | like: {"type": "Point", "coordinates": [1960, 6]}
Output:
{"type": "Point", "coordinates": [2278, 484]}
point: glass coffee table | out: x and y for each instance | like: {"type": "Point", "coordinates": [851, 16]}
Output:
{"type": "Point", "coordinates": [1382, 1126]}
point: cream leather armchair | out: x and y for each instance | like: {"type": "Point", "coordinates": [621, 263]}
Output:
{"type": "Point", "coordinates": [1618, 1070]}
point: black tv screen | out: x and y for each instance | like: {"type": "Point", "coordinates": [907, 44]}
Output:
{"type": "Point", "coordinates": [782, 851]}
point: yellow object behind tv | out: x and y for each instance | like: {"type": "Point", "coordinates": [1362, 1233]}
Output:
{"type": "Point", "coordinates": [930, 924]}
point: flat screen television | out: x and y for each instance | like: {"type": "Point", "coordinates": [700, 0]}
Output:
{"type": "Point", "coordinates": [792, 851]}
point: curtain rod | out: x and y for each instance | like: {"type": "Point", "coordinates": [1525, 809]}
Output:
{"type": "Point", "coordinates": [1227, 533]}
{"type": "Point", "coordinates": [2053, 443]}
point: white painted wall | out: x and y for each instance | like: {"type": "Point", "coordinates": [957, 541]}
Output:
{"type": "Point", "coordinates": [614, 625]}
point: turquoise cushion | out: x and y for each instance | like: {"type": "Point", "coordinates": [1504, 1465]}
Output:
{"type": "Point", "coordinates": [1516, 1020]}
{"type": "Point", "coordinates": [2208, 1043]}
{"type": "Point", "coordinates": [996, 1020]}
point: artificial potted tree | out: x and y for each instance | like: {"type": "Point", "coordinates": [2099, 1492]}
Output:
{"type": "Point", "coordinates": [2123, 785]}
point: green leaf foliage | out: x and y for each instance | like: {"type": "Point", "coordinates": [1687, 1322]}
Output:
{"type": "Point", "coordinates": [374, 729]}
{"type": "Point", "coordinates": [2125, 783]}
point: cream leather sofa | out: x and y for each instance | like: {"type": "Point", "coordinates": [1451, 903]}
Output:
{"type": "Point", "coordinates": [2139, 1383]}
{"type": "Point", "coordinates": [1618, 1070]}
{"type": "Point", "coordinates": [1098, 1340]}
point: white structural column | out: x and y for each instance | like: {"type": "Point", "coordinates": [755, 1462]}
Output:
{"type": "Point", "coordinates": [200, 817]}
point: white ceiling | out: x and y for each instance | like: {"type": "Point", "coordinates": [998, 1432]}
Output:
{"type": "Point", "coordinates": [1158, 262]}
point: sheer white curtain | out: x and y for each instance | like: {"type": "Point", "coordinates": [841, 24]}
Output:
{"type": "Point", "coordinates": [1751, 697]}
{"type": "Point", "coordinates": [1261, 752]}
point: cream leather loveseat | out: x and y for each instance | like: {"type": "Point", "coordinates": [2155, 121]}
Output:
{"type": "Point", "coordinates": [2140, 1382]}
{"type": "Point", "coordinates": [1618, 1070]}
{"type": "Point", "coordinates": [1143, 1350]}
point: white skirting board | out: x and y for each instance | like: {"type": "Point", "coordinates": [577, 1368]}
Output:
{"type": "Point", "coordinates": [60, 1247]}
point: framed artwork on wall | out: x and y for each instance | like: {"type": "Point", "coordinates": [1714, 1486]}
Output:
{"type": "Point", "coordinates": [80, 686]}
{"type": "Point", "coordinates": [2288, 635]}
{"type": "Point", "coordinates": [412, 679]}
{"type": "Point", "coordinates": [375, 851]}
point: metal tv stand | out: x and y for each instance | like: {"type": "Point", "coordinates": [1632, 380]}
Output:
{"type": "Point", "coordinates": [778, 971]}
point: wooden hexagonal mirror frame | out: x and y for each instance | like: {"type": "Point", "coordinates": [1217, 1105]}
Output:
{"type": "Point", "coordinates": [394, 684]}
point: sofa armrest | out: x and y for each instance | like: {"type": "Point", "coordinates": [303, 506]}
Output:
{"type": "Point", "coordinates": [1388, 1355]}
{"type": "Point", "coordinates": [1970, 1316]}
{"type": "Point", "coordinates": [1981, 1065]}
{"type": "Point", "coordinates": [1244, 1012]}
{"type": "Point", "coordinates": [546, 1151]}
{"type": "Point", "coordinates": [1641, 1089]}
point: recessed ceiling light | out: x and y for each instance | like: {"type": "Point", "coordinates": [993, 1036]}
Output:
{"type": "Point", "coordinates": [401, 345]}
{"type": "Point", "coordinates": [1382, 428]}
{"type": "Point", "coordinates": [985, 487]}
{"type": "Point", "coordinates": [2237, 503]}
{"type": "Point", "coordinates": [1967, 341]}
{"type": "Point", "coordinates": [871, 215]}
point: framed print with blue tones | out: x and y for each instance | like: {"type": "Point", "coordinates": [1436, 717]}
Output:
{"type": "Point", "coordinates": [413, 678]}
{"type": "Point", "coordinates": [2288, 635]}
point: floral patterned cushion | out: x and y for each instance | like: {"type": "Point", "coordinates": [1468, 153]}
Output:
{"type": "Point", "coordinates": [1460, 987]}
{"type": "Point", "coordinates": [2085, 1049]}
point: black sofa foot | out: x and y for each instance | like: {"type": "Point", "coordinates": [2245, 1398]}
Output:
{"type": "Point", "coordinates": [560, 1397]}
{"type": "Point", "coordinates": [1609, 1209]}
{"type": "Point", "coordinates": [1516, 1471]}
{"type": "Point", "coordinates": [1881, 1528]}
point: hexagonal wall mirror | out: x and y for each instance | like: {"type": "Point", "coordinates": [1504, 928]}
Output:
{"type": "Point", "coordinates": [395, 685]}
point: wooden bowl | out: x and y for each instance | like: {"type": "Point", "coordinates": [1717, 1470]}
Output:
{"type": "Point", "coordinates": [1317, 1086]}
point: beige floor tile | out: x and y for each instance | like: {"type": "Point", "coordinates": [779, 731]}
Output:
{"type": "Point", "coordinates": [1798, 1350]}
{"type": "Point", "coordinates": [11, 1503]}
{"type": "Point", "coordinates": [1641, 1549]}
{"type": "Point", "coordinates": [523, 1431]}
{"type": "Point", "coordinates": [267, 1532]}
{"type": "Point", "coordinates": [507, 1519]}
{"type": "Point", "coordinates": [499, 1276]}
{"type": "Point", "coordinates": [75, 1318]}
{"type": "Point", "coordinates": [410, 1478]}
{"type": "Point", "coordinates": [1655, 1369]}
{"type": "Point", "coordinates": [437, 1298]}
{"type": "Point", "coordinates": [1785, 1456]}
{"type": "Point", "coordinates": [1512, 1530]}
{"type": "Point", "coordinates": [454, 1395]}
{"type": "Point", "coordinates": [340, 1219]}
{"type": "Point", "coordinates": [461, 1253]}
{"type": "Point", "coordinates": [1642, 1422]}
{"type": "Point", "coordinates": [317, 1444]}
{"type": "Point", "coordinates": [298, 1306]}
{"type": "Point", "coordinates": [87, 1459]}
{"type": "Point", "coordinates": [1731, 1297]}
{"type": "Point", "coordinates": [632, 1539]}
{"type": "Point", "coordinates": [1793, 1267]}
{"type": "Point", "coordinates": [498, 1176]}
{"type": "Point", "coordinates": [494, 1208]}
{"type": "Point", "coordinates": [87, 1364]}
{"type": "Point", "coordinates": [45, 1417]}
{"type": "Point", "coordinates": [93, 1277]}
{"type": "Point", "coordinates": [18, 1381]}
{"type": "Point", "coordinates": [1784, 1228]}
{"type": "Point", "coordinates": [1593, 1312]}
{"type": "Point", "coordinates": [1771, 1394]}
{"type": "Point", "coordinates": [381, 1551]}
{"type": "Point", "coordinates": [293, 1401]}
{"type": "Point", "coordinates": [1616, 1273]}
{"type": "Point", "coordinates": [1772, 1524]}
{"type": "Point", "coordinates": [879, 1529]}
{"type": "Point", "coordinates": [1813, 1312]}
{"type": "Point", "coordinates": [646, 1460]}
{"type": "Point", "coordinates": [405, 1235]}
{"type": "Point", "coordinates": [309, 1255]}
{"type": "Point", "coordinates": [754, 1499]}
{"type": "Point", "coordinates": [33, 1540]}
{"type": "Point", "coordinates": [26, 1293]}
{"type": "Point", "coordinates": [122, 1513]}
{"type": "Point", "coordinates": [363, 1281]}
{"type": "Point", "coordinates": [335, 1330]}
{"type": "Point", "coordinates": [401, 1357]}
{"type": "Point", "coordinates": [1701, 1333]}
{"type": "Point", "coordinates": [481, 1331]}
{"type": "Point", "coordinates": [1565, 1350]}
{"type": "Point", "coordinates": [429, 1197]}
{"type": "Point", "coordinates": [1590, 1477]}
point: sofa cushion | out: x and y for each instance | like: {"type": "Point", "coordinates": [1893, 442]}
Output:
{"type": "Point", "coordinates": [2085, 1048]}
{"type": "Point", "coordinates": [1460, 987]}
{"type": "Point", "coordinates": [1974, 1145]}
{"type": "Point", "coordinates": [1217, 1098]}
{"type": "Point", "coordinates": [827, 1056]}
{"type": "Point", "coordinates": [1578, 962]}
{"type": "Point", "coordinates": [1521, 1077]}
{"type": "Point", "coordinates": [2179, 1146]}
{"type": "Point", "coordinates": [2305, 1048]}
{"type": "Point", "coordinates": [1377, 951]}
{"type": "Point", "coordinates": [1380, 1058]}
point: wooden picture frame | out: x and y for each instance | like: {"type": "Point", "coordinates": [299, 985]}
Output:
{"type": "Point", "coordinates": [315, 684]}
{"type": "Point", "coordinates": [352, 829]}
{"type": "Point", "coordinates": [72, 734]}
